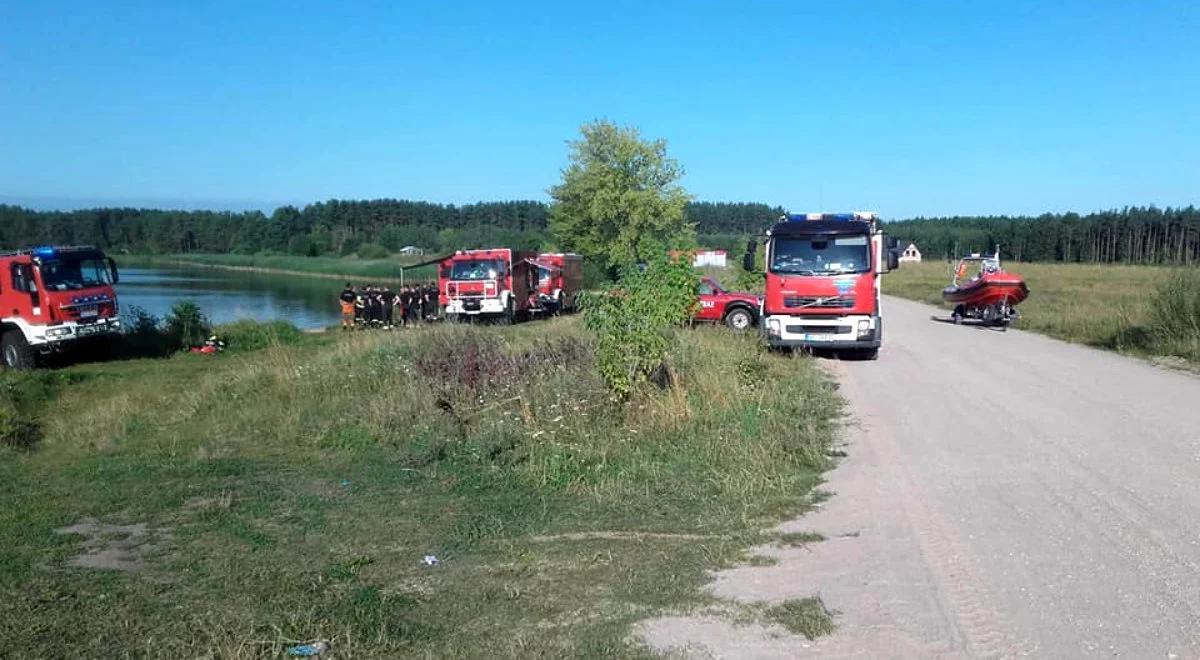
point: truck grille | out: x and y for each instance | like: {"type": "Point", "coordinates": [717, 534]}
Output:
{"type": "Point", "coordinates": [819, 302]}
{"type": "Point", "coordinates": [819, 329]}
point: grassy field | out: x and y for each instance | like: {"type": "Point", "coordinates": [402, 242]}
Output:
{"type": "Point", "coordinates": [290, 493]}
{"type": "Point", "coordinates": [1140, 309]}
{"type": "Point", "coordinates": [334, 267]}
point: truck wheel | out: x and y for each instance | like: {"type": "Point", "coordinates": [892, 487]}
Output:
{"type": "Point", "coordinates": [739, 319]}
{"type": "Point", "coordinates": [17, 353]}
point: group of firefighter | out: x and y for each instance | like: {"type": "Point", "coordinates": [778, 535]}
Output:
{"type": "Point", "coordinates": [373, 306]}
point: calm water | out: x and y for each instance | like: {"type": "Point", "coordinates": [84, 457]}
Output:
{"type": "Point", "coordinates": [224, 296]}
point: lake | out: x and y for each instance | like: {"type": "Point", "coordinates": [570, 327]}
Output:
{"type": "Point", "coordinates": [225, 295]}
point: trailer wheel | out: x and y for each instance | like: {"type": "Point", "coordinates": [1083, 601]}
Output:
{"type": "Point", "coordinates": [739, 319]}
{"type": "Point", "coordinates": [17, 352]}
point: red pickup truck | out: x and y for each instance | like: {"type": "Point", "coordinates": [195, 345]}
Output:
{"type": "Point", "coordinates": [736, 310]}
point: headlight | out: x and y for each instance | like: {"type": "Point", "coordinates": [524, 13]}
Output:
{"type": "Point", "coordinates": [773, 326]}
{"type": "Point", "coordinates": [864, 325]}
{"type": "Point", "coordinates": [58, 332]}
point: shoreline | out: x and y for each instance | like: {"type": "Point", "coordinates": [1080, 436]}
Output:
{"type": "Point", "coordinates": [151, 260]}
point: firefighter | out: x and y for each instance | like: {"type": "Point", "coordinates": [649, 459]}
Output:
{"type": "Point", "coordinates": [387, 300]}
{"type": "Point", "coordinates": [407, 299]}
{"type": "Point", "coordinates": [375, 304]}
{"type": "Point", "coordinates": [360, 307]}
{"type": "Point", "coordinates": [347, 300]}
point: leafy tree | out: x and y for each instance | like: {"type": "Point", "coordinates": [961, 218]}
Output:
{"type": "Point", "coordinates": [632, 322]}
{"type": "Point", "coordinates": [619, 199]}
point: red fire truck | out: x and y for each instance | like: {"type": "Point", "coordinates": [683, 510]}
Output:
{"type": "Point", "coordinates": [560, 280]}
{"type": "Point", "coordinates": [823, 274]}
{"type": "Point", "coordinates": [52, 298]}
{"type": "Point", "coordinates": [492, 283]}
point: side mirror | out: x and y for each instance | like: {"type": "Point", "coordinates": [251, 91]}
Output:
{"type": "Point", "coordinates": [112, 271]}
{"type": "Point", "coordinates": [893, 260]}
{"type": "Point", "coordinates": [748, 258]}
{"type": "Point", "coordinates": [892, 243]}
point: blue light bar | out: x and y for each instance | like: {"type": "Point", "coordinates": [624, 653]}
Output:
{"type": "Point", "coordinates": [802, 217]}
{"type": "Point", "coordinates": [44, 252]}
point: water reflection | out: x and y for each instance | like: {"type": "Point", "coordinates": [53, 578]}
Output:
{"type": "Point", "coordinates": [226, 296]}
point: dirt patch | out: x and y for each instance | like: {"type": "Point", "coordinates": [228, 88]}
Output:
{"type": "Point", "coordinates": [113, 547]}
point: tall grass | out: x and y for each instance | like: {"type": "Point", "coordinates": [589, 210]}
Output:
{"type": "Point", "coordinates": [297, 487]}
{"type": "Point", "coordinates": [1175, 316]}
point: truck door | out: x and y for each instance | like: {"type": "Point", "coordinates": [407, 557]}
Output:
{"type": "Point", "coordinates": [23, 299]}
{"type": "Point", "coordinates": [709, 310]}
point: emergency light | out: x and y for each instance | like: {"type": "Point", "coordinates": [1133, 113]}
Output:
{"type": "Point", "coordinates": [803, 217]}
{"type": "Point", "coordinates": [44, 252]}
{"type": "Point", "coordinates": [836, 217]}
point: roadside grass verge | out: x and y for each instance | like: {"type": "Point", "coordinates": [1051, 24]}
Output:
{"type": "Point", "coordinates": [1144, 310]}
{"type": "Point", "coordinates": [289, 493]}
{"type": "Point", "coordinates": [382, 270]}
{"type": "Point", "coordinates": [803, 616]}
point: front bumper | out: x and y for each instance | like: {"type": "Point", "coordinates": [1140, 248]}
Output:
{"type": "Point", "coordinates": [56, 337]}
{"type": "Point", "coordinates": [833, 332]}
{"type": "Point", "coordinates": [469, 306]}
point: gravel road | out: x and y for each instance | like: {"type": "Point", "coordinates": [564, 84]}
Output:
{"type": "Point", "coordinates": [1005, 495]}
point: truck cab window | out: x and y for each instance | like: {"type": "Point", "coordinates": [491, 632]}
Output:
{"type": "Point", "coordinates": [22, 278]}
{"type": "Point", "coordinates": [66, 274]}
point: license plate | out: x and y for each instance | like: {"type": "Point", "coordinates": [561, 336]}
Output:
{"type": "Point", "coordinates": [88, 312]}
{"type": "Point", "coordinates": [817, 338]}
{"type": "Point", "coordinates": [86, 330]}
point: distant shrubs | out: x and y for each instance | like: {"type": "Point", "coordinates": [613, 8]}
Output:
{"type": "Point", "coordinates": [372, 251]}
{"type": "Point", "coordinates": [631, 322]}
{"type": "Point", "coordinates": [247, 335]}
{"type": "Point", "coordinates": [145, 335]}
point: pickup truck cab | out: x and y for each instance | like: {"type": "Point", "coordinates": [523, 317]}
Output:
{"type": "Point", "coordinates": [736, 310]}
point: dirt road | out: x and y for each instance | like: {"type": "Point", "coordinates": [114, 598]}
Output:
{"type": "Point", "coordinates": [1005, 494]}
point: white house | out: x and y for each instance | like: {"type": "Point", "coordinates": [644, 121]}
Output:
{"type": "Point", "coordinates": [911, 253]}
{"type": "Point", "coordinates": [709, 258]}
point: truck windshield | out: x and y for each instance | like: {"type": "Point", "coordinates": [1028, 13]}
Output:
{"type": "Point", "coordinates": [476, 269]}
{"type": "Point", "coordinates": [821, 255]}
{"type": "Point", "coordinates": [62, 274]}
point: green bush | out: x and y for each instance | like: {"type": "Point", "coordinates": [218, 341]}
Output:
{"type": "Point", "coordinates": [186, 325]}
{"type": "Point", "coordinates": [633, 320]}
{"type": "Point", "coordinates": [372, 251]}
{"type": "Point", "coordinates": [142, 335]}
{"type": "Point", "coordinates": [252, 335]}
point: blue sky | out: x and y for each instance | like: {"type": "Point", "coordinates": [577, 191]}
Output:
{"type": "Point", "coordinates": [902, 107]}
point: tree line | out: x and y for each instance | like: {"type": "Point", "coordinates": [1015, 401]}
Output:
{"type": "Point", "coordinates": [332, 227]}
{"type": "Point", "coordinates": [1133, 235]}
{"type": "Point", "coordinates": [1146, 235]}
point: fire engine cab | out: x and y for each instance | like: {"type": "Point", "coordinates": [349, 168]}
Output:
{"type": "Point", "coordinates": [52, 298]}
{"type": "Point", "coordinates": [492, 283]}
{"type": "Point", "coordinates": [822, 281]}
